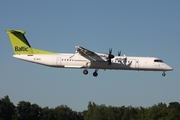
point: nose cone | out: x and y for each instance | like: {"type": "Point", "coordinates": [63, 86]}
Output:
{"type": "Point", "coordinates": [169, 68]}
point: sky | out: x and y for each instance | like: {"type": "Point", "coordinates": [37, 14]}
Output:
{"type": "Point", "coordinates": [137, 28]}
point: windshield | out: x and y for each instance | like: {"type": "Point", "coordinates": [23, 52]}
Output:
{"type": "Point", "coordinates": [157, 60]}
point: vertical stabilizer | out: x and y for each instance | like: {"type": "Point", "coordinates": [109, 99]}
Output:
{"type": "Point", "coordinates": [19, 42]}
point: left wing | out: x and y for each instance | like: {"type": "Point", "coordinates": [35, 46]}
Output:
{"type": "Point", "coordinates": [87, 53]}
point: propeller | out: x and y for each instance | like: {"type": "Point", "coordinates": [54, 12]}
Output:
{"type": "Point", "coordinates": [110, 56]}
{"type": "Point", "coordinates": [119, 53]}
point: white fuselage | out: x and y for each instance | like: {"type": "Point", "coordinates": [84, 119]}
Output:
{"type": "Point", "coordinates": [78, 61]}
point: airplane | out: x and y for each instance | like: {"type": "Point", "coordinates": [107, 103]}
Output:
{"type": "Point", "coordinates": [82, 58]}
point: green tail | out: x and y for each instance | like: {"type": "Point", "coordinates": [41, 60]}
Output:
{"type": "Point", "coordinates": [20, 44]}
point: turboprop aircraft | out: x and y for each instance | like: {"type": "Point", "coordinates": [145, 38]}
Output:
{"type": "Point", "coordinates": [82, 58]}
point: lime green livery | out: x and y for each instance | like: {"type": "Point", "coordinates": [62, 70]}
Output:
{"type": "Point", "coordinates": [20, 44]}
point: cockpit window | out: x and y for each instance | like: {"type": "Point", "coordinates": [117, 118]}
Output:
{"type": "Point", "coordinates": [158, 60]}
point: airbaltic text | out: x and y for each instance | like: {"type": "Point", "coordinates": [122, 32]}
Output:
{"type": "Point", "coordinates": [22, 48]}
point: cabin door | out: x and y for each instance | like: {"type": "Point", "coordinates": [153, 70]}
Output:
{"type": "Point", "coordinates": [58, 61]}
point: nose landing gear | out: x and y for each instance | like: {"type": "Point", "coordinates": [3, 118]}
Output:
{"type": "Point", "coordinates": [164, 74]}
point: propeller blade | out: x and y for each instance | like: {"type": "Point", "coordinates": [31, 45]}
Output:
{"type": "Point", "coordinates": [110, 51]}
{"type": "Point", "coordinates": [119, 53]}
{"type": "Point", "coordinates": [110, 56]}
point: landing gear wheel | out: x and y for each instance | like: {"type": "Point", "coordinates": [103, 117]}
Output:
{"type": "Point", "coordinates": [163, 74]}
{"type": "Point", "coordinates": [95, 74]}
{"type": "Point", "coordinates": [85, 72]}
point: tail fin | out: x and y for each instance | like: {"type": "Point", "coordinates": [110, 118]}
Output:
{"type": "Point", "coordinates": [20, 44]}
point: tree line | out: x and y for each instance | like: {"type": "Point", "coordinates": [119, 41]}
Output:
{"type": "Point", "coordinates": [27, 111]}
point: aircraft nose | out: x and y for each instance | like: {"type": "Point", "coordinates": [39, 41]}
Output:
{"type": "Point", "coordinates": [169, 68]}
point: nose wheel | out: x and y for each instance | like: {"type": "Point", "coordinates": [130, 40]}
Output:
{"type": "Point", "coordinates": [163, 74]}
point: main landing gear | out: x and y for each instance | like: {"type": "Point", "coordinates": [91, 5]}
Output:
{"type": "Point", "coordinates": [95, 74]}
{"type": "Point", "coordinates": [85, 71]}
